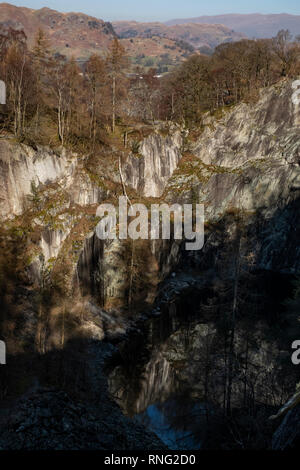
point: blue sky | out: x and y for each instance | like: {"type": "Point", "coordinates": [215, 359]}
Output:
{"type": "Point", "coordinates": [161, 10]}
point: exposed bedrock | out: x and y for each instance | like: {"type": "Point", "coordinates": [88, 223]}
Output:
{"type": "Point", "coordinates": [247, 161]}
{"type": "Point", "coordinates": [267, 129]}
{"type": "Point", "coordinates": [158, 157]}
{"type": "Point", "coordinates": [21, 166]}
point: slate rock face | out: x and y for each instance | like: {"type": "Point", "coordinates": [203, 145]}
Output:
{"type": "Point", "coordinates": [159, 157]}
{"type": "Point", "coordinates": [287, 435]}
{"type": "Point", "coordinates": [21, 166]}
{"type": "Point", "coordinates": [267, 129]}
{"type": "Point", "coordinates": [249, 161]}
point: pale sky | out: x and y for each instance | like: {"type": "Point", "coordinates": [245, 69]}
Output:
{"type": "Point", "coordinates": [162, 10]}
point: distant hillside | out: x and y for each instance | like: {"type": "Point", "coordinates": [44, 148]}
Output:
{"type": "Point", "coordinates": [206, 36]}
{"type": "Point", "coordinates": [254, 25]}
{"type": "Point", "coordinates": [71, 34]}
{"type": "Point", "coordinates": [156, 52]}
{"type": "Point", "coordinates": [80, 35]}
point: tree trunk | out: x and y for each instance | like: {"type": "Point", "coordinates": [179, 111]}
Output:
{"type": "Point", "coordinates": [114, 104]}
{"type": "Point", "coordinates": [232, 326]}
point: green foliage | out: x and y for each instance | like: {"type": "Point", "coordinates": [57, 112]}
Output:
{"type": "Point", "coordinates": [35, 197]}
{"type": "Point", "coordinates": [135, 146]}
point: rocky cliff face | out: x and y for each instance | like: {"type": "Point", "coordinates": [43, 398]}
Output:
{"type": "Point", "coordinates": [241, 163]}
{"type": "Point", "coordinates": [249, 161]}
{"type": "Point", "coordinates": [56, 194]}
{"type": "Point", "coordinates": [150, 170]}
{"type": "Point", "coordinates": [246, 165]}
{"type": "Point", "coordinates": [21, 166]}
{"type": "Point", "coordinates": [268, 129]}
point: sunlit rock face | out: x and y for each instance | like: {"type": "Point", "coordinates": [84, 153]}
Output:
{"type": "Point", "coordinates": [51, 242]}
{"type": "Point", "coordinates": [267, 129]}
{"type": "Point", "coordinates": [250, 158]}
{"type": "Point", "coordinates": [21, 166]}
{"type": "Point", "coordinates": [84, 192]}
{"type": "Point", "coordinates": [59, 182]}
{"type": "Point", "coordinates": [249, 161]}
{"type": "Point", "coordinates": [254, 155]}
{"type": "Point", "coordinates": [149, 171]}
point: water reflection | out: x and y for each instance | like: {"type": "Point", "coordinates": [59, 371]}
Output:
{"type": "Point", "coordinates": [158, 378]}
{"type": "Point", "coordinates": [177, 373]}
{"type": "Point", "coordinates": [179, 423]}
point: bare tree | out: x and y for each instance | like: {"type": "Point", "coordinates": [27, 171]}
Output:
{"type": "Point", "coordinates": [116, 62]}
